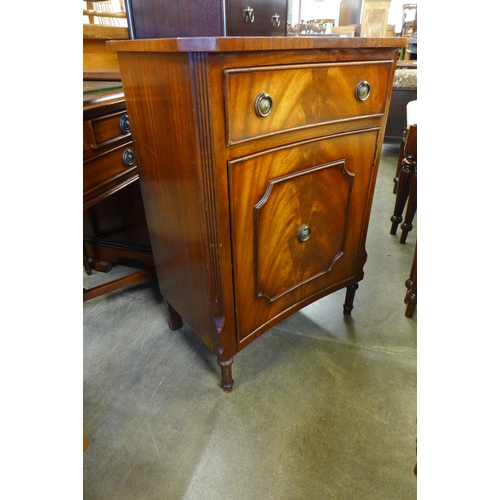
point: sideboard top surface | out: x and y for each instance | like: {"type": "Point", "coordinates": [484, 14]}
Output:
{"type": "Point", "coordinates": [240, 44]}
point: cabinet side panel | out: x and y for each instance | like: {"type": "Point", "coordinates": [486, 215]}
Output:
{"type": "Point", "coordinates": [159, 102]}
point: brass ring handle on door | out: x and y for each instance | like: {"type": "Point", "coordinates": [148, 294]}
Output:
{"type": "Point", "coordinates": [304, 233]}
{"type": "Point", "coordinates": [263, 104]}
{"type": "Point", "coordinates": [275, 20]}
{"type": "Point", "coordinates": [362, 91]}
{"type": "Point", "coordinates": [128, 158]}
{"type": "Point", "coordinates": [248, 15]}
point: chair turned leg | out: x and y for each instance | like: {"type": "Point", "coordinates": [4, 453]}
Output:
{"type": "Point", "coordinates": [411, 209]}
{"type": "Point", "coordinates": [399, 163]}
{"type": "Point", "coordinates": [411, 284]}
{"type": "Point", "coordinates": [408, 170]}
{"type": "Point", "coordinates": [404, 183]}
{"type": "Point", "coordinates": [411, 303]}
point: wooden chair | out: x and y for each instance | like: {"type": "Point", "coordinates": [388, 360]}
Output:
{"type": "Point", "coordinates": [410, 118]}
{"type": "Point", "coordinates": [103, 10]}
{"type": "Point", "coordinates": [406, 177]}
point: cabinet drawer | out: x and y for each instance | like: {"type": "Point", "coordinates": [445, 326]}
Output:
{"type": "Point", "coordinates": [108, 129]}
{"type": "Point", "coordinates": [301, 96]}
{"type": "Point", "coordinates": [298, 215]}
{"type": "Point", "coordinates": [108, 169]}
{"type": "Point", "coordinates": [257, 17]}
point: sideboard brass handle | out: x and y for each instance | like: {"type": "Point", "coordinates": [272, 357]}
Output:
{"type": "Point", "coordinates": [304, 233]}
{"type": "Point", "coordinates": [263, 104]}
{"type": "Point", "coordinates": [128, 158]}
{"type": "Point", "coordinates": [362, 91]}
{"type": "Point", "coordinates": [124, 124]}
{"type": "Point", "coordinates": [248, 15]}
{"type": "Point", "coordinates": [275, 20]}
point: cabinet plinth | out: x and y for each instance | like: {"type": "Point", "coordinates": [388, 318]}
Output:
{"type": "Point", "coordinates": [257, 160]}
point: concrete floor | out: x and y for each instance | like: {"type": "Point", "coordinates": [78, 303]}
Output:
{"type": "Point", "coordinates": [323, 406]}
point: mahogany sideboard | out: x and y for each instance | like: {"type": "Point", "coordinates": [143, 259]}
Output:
{"type": "Point", "coordinates": [257, 159]}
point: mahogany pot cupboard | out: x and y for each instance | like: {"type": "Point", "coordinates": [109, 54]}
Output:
{"type": "Point", "coordinates": [257, 161]}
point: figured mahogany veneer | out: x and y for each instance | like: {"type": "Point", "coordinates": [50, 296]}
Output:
{"type": "Point", "coordinates": [254, 217]}
{"type": "Point", "coordinates": [303, 95]}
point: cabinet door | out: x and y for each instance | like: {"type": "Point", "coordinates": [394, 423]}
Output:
{"type": "Point", "coordinates": [298, 217]}
{"type": "Point", "coordinates": [256, 17]}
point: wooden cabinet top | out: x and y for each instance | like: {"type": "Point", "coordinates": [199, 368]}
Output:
{"type": "Point", "coordinates": [244, 44]}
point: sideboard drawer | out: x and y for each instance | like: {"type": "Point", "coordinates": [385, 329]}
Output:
{"type": "Point", "coordinates": [108, 169]}
{"type": "Point", "coordinates": [262, 101]}
{"type": "Point", "coordinates": [109, 129]}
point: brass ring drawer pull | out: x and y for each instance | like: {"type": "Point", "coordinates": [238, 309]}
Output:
{"type": "Point", "coordinates": [263, 104]}
{"type": "Point", "coordinates": [362, 91]}
{"type": "Point", "coordinates": [128, 158]}
{"type": "Point", "coordinates": [248, 15]}
{"type": "Point", "coordinates": [124, 124]}
{"type": "Point", "coordinates": [304, 233]}
{"type": "Point", "coordinates": [275, 20]}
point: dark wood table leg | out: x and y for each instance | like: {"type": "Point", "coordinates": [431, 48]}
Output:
{"type": "Point", "coordinates": [86, 261]}
{"type": "Point", "coordinates": [411, 209]}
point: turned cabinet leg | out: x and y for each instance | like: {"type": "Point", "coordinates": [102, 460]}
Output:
{"type": "Point", "coordinates": [349, 299]}
{"type": "Point", "coordinates": [174, 319]}
{"type": "Point", "coordinates": [226, 369]}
